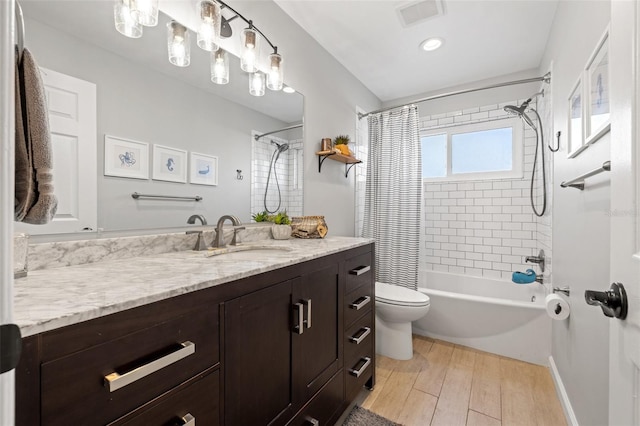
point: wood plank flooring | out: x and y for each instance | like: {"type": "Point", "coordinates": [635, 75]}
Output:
{"type": "Point", "coordinates": [448, 385]}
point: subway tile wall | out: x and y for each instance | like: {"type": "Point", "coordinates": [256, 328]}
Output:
{"type": "Point", "coordinates": [482, 228]}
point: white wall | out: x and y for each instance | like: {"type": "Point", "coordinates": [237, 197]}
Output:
{"type": "Point", "coordinates": [580, 220]}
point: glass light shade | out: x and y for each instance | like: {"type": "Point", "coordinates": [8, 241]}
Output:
{"type": "Point", "coordinates": [250, 46]}
{"type": "Point", "coordinates": [148, 10]}
{"type": "Point", "coordinates": [209, 17]}
{"type": "Point", "coordinates": [127, 19]}
{"type": "Point", "coordinates": [257, 83]}
{"type": "Point", "coordinates": [220, 67]}
{"type": "Point", "coordinates": [275, 75]}
{"type": "Point", "coordinates": [178, 44]}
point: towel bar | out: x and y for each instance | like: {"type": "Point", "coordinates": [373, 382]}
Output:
{"type": "Point", "coordinates": [579, 181]}
{"type": "Point", "coordinates": [136, 196]}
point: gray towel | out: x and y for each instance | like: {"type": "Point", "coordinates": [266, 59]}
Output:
{"type": "Point", "coordinates": [36, 195]}
{"type": "Point", "coordinates": [24, 177]}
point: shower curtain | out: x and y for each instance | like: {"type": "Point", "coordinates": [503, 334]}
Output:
{"type": "Point", "coordinates": [393, 195]}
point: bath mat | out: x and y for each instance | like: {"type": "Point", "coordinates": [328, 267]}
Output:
{"type": "Point", "coordinates": [362, 417]}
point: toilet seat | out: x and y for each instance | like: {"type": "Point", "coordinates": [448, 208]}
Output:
{"type": "Point", "coordinates": [400, 296]}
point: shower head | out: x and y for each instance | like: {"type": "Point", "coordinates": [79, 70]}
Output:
{"type": "Point", "coordinates": [281, 147]}
{"type": "Point", "coordinates": [520, 111]}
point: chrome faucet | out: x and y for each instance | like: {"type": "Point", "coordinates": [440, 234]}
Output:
{"type": "Point", "coordinates": [219, 240]}
{"type": "Point", "coordinates": [200, 244]}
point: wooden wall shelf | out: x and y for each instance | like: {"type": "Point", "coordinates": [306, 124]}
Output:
{"type": "Point", "coordinates": [348, 160]}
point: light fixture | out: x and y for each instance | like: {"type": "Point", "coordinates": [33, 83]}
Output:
{"type": "Point", "coordinates": [250, 50]}
{"type": "Point", "coordinates": [431, 44]}
{"type": "Point", "coordinates": [288, 89]}
{"type": "Point", "coordinates": [257, 83]}
{"type": "Point", "coordinates": [127, 18]}
{"type": "Point", "coordinates": [209, 30]}
{"type": "Point", "coordinates": [178, 44]}
{"type": "Point", "coordinates": [148, 10]}
{"type": "Point", "coordinates": [275, 77]}
{"type": "Point", "coordinates": [220, 66]}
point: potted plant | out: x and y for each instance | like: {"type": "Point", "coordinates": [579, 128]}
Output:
{"type": "Point", "coordinates": [281, 228]}
{"type": "Point", "coordinates": [341, 142]}
{"type": "Point", "coordinates": [263, 216]}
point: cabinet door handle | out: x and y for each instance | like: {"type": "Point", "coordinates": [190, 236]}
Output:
{"type": "Point", "coordinates": [308, 420]}
{"type": "Point", "coordinates": [360, 370]}
{"type": "Point", "coordinates": [117, 381]}
{"type": "Point", "coordinates": [307, 303]}
{"type": "Point", "coordinates": [299, 327]}
{"type": "Point", "coordinates": [360, 270]}
{"type": "Point", "coordinates": [188, 420]}
{"type": "Point", "coordinates": [365, 331]}
{"type": "Point", "coordinates": [360, 303]}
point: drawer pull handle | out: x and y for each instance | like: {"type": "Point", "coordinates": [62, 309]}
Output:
{"type": "Point", "coordinates": [308, 420]}
{"type": "Point", "coordinates": [360, 303]}
{"type": "Point", "coordinates": [360, 270]}
{"type": "Point", "coordinates": [189, 420]}
{"type": "Point", "coordinates": [365, 331]}
{"type": "Point", "coordinates": [359, 371]}
{"type": "Point", "coordinates": [307, 303]}
{"type": "Point", "coordinates": [299, 327]}
{"type": "Point", "coordinates": [117, 381]}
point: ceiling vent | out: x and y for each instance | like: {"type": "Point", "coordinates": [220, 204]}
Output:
{"type": "Point", "coordinates": [417, 12]}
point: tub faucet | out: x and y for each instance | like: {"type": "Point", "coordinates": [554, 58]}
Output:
{"type": "Point", "coordinates": [219, 240]}
{"type": "Point", "coordinates": [539, 259]}
{"type": "Point", "coordinates": [200, 244]}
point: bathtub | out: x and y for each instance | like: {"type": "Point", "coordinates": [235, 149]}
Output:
{"type": "Point", "coordinates": [490, 315]}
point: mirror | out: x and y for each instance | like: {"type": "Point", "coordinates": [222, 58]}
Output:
{"type": "Point", "coordinates": [142, 97]}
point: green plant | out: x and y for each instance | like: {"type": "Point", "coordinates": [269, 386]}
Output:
{"type": "Point", "coordinates": [341, 140]}
{"type": "Point", "coordinates": [282, 218]}
{"type": "Point", "coordinates": [263, 216]}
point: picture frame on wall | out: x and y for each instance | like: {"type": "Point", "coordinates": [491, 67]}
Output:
{"type": "Point", "coordinates": [126, 158]}
{"type": "Point", "coordinates": [169, 164]}
{"type": "Point", "coordinates": [598, 109]}
{"type": "Point", "coordinates": [203, 169]}
{"type": "Point", "coordinates": [575, 122]}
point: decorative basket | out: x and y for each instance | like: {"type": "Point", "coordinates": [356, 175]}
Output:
{"type": "Point", "coordinates": [309, 227]}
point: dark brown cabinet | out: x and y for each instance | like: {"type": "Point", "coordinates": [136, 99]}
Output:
{"type": "Point", "coordinates": [271, 349]}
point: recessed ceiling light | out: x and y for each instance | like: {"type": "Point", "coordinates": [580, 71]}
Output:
{"type": "Point", "coordinates": [431, 44]}
{"type": "Point", "coordinates": [288, 89]}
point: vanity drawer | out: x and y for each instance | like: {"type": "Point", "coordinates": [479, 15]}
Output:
{"type": "Point", "coordinates": [359, 271]}
{"type": "Point", "coordinates": [357, 337]}
{"type": "Point", "coordinates": [358, 371]}
{"type": "Point", "coordinates": [357, 303]}
{"type": "Point", "coordinates": [198, 400]}
{"type": "Point", "coordinates": [324, 406]}
{"type": "Point", "coordinates": [104, 382]}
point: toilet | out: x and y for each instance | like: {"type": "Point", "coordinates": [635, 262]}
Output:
{"type": "Point", "coordinates": [396, 308]}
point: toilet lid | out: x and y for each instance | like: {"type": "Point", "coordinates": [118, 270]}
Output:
{"type": "Point", "coordinates": [396, 295]}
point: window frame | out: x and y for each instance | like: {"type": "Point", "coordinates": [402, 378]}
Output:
{"type": "Point", "coordinates": [517, 149]}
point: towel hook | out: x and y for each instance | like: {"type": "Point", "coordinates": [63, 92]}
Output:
{"type": "Point", "coordinates": [19, 31]}
{"type": "Point", "coordinates": [557, 148]}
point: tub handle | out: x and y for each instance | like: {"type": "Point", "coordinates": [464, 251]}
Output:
{"type": "Point", "coordinates": [360, 270]}
{"type": "Point", "coordinates": [365, 331]}
{"type": "Point", "coordinates": [360, 303]}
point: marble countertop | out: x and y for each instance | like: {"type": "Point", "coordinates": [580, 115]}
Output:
{"type": "Point", "coordinates": [53, 298]}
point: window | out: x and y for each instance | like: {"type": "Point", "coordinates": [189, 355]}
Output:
{"type": "Point", "coordinates": [488, 150]}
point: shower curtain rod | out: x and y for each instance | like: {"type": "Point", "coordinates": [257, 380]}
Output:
{"type": "Point", "coordinates": [546, 78]}
{"type": "Point", "coordinates": [277, 131]}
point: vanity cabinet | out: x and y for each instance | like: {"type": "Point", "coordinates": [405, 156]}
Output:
{"type": "Point", "coordinates": [272, 348]}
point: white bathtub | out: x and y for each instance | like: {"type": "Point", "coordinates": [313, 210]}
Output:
{"type": "Point", "coordinates": [490, 315]}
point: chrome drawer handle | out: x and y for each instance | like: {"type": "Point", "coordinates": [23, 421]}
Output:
{"type": "Point", "coordinates": [189, 420]}
{"type": "Point", "coordinates": [365, 332]}
{"type": "Point", "coordinates": [299, 328]}
{"type": "Point", "coordinates": [307, 303]}
{"type": "Point", "coordinates": [359, 371]}
{"type": "Point", "coordinates": [311, 421]}
{"type": "Point", "coordinates": [360, 270]}
{"type": "Point", "coordinates": [360, 303]}
{"type": "Point", "coordinates": [117, 381]}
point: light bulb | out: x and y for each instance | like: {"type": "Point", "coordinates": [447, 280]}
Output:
{"type": "Point", "coordinates": [250, 46]}
{"type": "Point", "coordinates": [219, 67]}
{"type": "Point", "coordinates": [178, 44]}
{"type": "Point", "coordinates": [257, 84]}
{"type": "Point", "coordinates": [275, 76]}
{"type": "Point", "coordinates": [148, 10]}
{"type": "Point", "coordinates": [127, 18]}
{"type": "Point", "coordinates": [209, 30]}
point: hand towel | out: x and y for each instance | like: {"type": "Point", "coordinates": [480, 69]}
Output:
{"type": "Point", "coordinates": [38, 142]}
{"type": "Point", "coordinates": [24, 178]}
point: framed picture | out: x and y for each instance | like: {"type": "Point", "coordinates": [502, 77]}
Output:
{"type": "Point", "coordinates": [576, 122]}
{"type": "Point", "coordinates": [598, 92]}
{"type": "Point", "coordinates": [126, 158]}
{"type": "Point", "coordinates": [203, 169]}
{"type": "Point", "coordinates": [169, 164]}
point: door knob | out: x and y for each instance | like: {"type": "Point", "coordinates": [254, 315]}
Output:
{"type": "Point", "coordinates": [613, 301]}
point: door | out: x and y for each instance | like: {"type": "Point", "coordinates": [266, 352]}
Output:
{"type": "Point", "coordinates": [624, 356]}
{"type": "Point", "coordinates": [316, 352]}
{"type": "Point", "coordinates": [72, 122]}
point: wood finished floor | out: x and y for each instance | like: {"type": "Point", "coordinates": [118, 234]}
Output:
{"type": "Point", "coordinates": [448, 385]}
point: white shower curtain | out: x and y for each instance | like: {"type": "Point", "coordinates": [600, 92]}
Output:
{"type": "Point", "coordinates": [393, 195]}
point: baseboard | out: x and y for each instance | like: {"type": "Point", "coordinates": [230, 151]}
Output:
{"type": "Point", "coordinates": [562, 394]}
